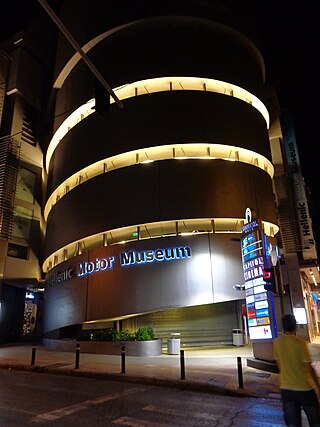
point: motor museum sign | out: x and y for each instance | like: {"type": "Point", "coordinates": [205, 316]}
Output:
{"type": "Point", "coordinates": [124, 259]}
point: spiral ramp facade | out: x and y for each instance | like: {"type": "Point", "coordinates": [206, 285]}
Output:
{"type": "Point", "coordinates": [145, 201]}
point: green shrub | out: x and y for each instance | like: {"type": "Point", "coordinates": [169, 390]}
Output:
{"type": "Point", "coordinates": [142, 334]}
{"type": "Point", "coordinates": [102, 335]}
{"type": "Point", "coordinates": [126, 336]}
{"type": "Point", "coordinates": [113, 335]}
{"type": "Point", "coordinates": [145, 334]}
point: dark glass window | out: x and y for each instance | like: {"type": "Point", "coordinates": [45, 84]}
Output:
{"type": "Point", "coordinates": [18, 251]}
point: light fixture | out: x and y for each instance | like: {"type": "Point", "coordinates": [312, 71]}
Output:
{"type": "Point", "coordinates": [238, 287]}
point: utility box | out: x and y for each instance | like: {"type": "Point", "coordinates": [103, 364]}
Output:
{"type": "Point", "coordinates": [237, 337]}
{"type": "Point", "coordinates": [174, 343]}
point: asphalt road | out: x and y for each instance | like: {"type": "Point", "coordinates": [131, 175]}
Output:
{"type": "Point", "coordinates": [28, 398]}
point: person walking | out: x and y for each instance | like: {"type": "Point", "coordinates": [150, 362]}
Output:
{"type": "Point", "coordinates": [299, 384]}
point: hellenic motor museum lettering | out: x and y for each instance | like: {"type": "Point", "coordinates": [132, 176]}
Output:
{"type": "Point", "coordinates": [132, 258]}
{"type": "Point", "coordinates": [60, 276]}
{"type": "Point", "coordinates": [126, 259]}
{"type": "Point", "coordinates": [99, 264]}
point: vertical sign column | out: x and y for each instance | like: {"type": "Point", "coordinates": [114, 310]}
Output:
{"type": "Point", "coordinates": [259, 301]}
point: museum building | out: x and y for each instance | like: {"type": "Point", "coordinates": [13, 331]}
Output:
{"type": "Point", "coordinates": [147, 167]}
{"type": "Point", "coordinates": [144, 206]}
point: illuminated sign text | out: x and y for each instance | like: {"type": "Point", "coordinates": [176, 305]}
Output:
{"type": "Point", "coordinates": [60, 276]}
{"type": "Point", "coordinates": [132, 257]}
{"type": "Point", "coordinates": [89, 267]}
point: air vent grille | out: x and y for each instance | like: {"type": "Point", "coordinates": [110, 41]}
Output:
{"type": "Point", "coordinates": [9, 163]}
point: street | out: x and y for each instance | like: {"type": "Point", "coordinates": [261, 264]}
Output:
{"type": "Point", "coordinates": [55, 400]}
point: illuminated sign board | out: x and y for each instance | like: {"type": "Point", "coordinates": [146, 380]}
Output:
{"type": "Point", "coordinates": [309, 250]}
{"type": "Point", "coordinates": [253, 269]}
{"type": "Point", "coordinates": [261, 297]}
{"type": "Point", "coordinates": [263, 321]}
{"type": "Point", "coordinates": [259, 289]}
{"type": "Point", "coordinates": [259, 302]}
{"type": "Point", "coordinates": [247, 228]}
{"type": "Point", "coordinates": [29, 295]}
{"type": "Point", "coordinates": [300, 315]}
{"type": "Point", "coordinates": [124, 259]}
{"type": "Point", "coordinates": [260, 332]}
{"type": "Point", "coordinates": [251, 246]}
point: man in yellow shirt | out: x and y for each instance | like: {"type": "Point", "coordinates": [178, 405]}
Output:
{"type": "Point", "coordinates": [298, 378]}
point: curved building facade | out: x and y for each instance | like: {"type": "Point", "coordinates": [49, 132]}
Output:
{"type": "Point", "coordinates": [145, 197]}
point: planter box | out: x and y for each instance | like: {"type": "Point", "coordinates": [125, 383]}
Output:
{"type": "Point", "coordinates": [133, 348]}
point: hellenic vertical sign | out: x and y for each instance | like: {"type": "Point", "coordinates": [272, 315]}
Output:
{"type": "Point", "coordinates": [305, 226]}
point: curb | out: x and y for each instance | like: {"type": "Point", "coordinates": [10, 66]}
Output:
{"type": "Point", "coordinates": [181, 384]}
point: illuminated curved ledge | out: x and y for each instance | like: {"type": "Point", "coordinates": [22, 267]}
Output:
{"type": "Point", "coordinates": [91, 44]}
{"type": "Point", "coordinates": [149, 231]}
{"type": "Point", "coordinates": [161, 84]}
{"type": "Point", "coordinates": [163, 152]}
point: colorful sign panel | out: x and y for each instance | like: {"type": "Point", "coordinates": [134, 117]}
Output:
{"type": "Point", "coordinates": [259, 302]}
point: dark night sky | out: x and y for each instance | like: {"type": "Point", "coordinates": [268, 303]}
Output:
{"type": "Point", "coordinates": [291, 47]}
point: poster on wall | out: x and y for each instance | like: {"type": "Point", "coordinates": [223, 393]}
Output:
{"type": "Point", "coordinates": [30, 314]}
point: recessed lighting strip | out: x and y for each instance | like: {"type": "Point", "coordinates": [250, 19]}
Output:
{"type": "Point", "coordinates": [161, 84]}
{"type": "Point", "coordinates": [186, 227]}
{"type": "Point", "coordinates": [163, 152]}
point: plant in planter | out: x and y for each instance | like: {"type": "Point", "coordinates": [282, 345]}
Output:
{"type": "Point", "coordinates": [125, 336]}
{"type": "Point", "coordinates": [140, 343]}
{"type": "Point", "coordinates": [144, 333]}
{"type": "Point", "coordinates": [103, 335]}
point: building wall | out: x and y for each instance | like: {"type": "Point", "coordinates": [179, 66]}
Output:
{"type": "Point", "coordinates": [134, 42]}
{"type": "Point", "coordinates": [161, 46]}
{"type": "Point", "coordinates": [111, 289]}
{"type": "Point", "coordinates": [159, 119]}
{"type": "Point", "coordinates": [167, 190]}
{"type": "Point", "coordinates": [127, 48]}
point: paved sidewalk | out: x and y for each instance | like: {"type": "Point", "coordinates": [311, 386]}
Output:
{"type": "Point", "coordinates": [213, 369]}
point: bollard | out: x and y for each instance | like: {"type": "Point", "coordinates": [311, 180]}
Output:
{"type": "Point", "coordinates": [182, 367]}
{"type": "Point", "coordinates": [33, 355]}
{"type": "Point", "coordinates": [123, 359]}
{"type": "Point", "coordinates": [240, 376]}
{"type": "Point", "coordinates": [77, 356]}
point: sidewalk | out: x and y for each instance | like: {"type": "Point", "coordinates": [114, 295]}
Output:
{"type": "Point", "coordinates": [213, 369]}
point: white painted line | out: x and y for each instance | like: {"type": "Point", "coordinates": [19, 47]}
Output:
{"type": "Point", "coordinates": [62, 412]}
{"type": "Point", "coordinates": [15, 409]}
{"type": "Point", "coordinates": [192, 414]}
{"type": "Point", "coordinates": [133, 422]}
